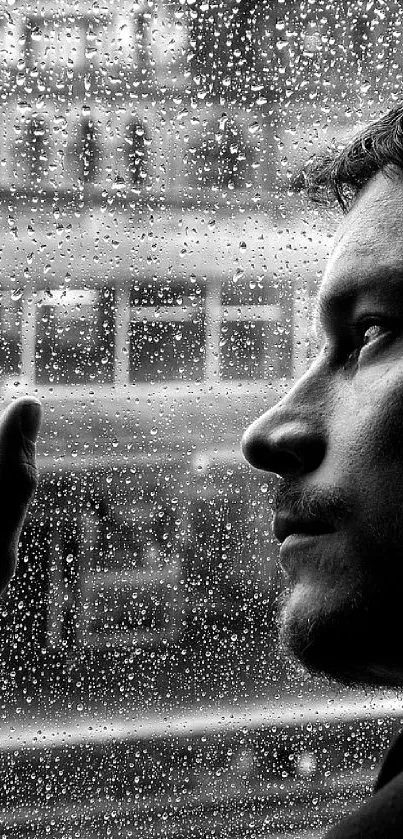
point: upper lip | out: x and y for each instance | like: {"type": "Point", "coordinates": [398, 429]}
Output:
{"type": "Point", "coordinates": [285, 524]}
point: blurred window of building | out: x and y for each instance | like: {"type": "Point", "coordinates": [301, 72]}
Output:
{"type": "Point", "coordinates": [222, 158]}
{"type": "Point", "coordinates": [85, 151]}
{"type": "Point", "coordinates": [255, 338]}
{"type": "Point", "coordinates": [167, 336]}
{"type": "Point", "coordinates": [32, 150]}
{"type": "Point", "coordinates": [37, 148]}
{"type": "Point", "coordinates": [10, 332]}
{"type": "Point", "coordinates": [54, 40]}
{"type": "Point", "coordinates": [360, 36]}
{"type": "Point", "coordinates": [74, 336]}
{"type": "Point", "coordinates": [135, 151]}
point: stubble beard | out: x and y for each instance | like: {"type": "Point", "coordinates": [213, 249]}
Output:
{"type": "Point", "coordinates": [354, 633]}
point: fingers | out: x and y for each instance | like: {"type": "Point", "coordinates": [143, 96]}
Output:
{"type": "Point", "coordinates": [19, 426]}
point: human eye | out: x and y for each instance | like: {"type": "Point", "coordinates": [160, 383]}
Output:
{"type": "Point", "coordinates": [368, 335]}
{"type": "Point", "coordinates": [371, 332]}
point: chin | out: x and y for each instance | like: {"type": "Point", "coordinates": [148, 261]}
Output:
{"type": "Point", "coordinates": [341, 637]}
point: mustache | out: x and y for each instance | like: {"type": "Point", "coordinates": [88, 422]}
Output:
{"type": "Point", "coordinates": [326, 504]}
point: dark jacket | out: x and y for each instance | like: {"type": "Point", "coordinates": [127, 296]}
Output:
{"type": "Point", "coordinates": [381, 817]}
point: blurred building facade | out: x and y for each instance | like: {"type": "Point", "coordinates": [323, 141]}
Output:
{"type": "Point", "coordinates": [156, 269]}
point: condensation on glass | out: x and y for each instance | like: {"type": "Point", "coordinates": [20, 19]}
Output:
{"type": "Point", "coordinates": [158, 270]}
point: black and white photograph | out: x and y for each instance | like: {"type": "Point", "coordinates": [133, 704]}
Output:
{"type": "Point", "coordinates": [201, 419]}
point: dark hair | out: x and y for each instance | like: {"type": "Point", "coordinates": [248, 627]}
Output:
{"type": "Point", "coordinates": [340, 175]}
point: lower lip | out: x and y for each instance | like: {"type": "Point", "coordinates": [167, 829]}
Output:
{"type": "Point", "coordinates": [295, 547]}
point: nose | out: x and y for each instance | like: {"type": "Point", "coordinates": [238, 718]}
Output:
{"type": "Point", "coordinates": [289, 439]}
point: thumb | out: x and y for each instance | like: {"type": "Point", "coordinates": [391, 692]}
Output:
{"type": "Point", "coordinates": [19, 426]}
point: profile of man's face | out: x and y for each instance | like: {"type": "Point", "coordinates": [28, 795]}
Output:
{"type": "Point", "coordinates": [336, 441]}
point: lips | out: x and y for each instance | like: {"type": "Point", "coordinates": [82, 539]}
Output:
{"type": "Point", "coordinates": [286, 525]}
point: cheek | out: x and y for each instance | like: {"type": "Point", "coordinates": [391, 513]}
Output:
{"type": "Point", "coordinates": [366, 433]}
{"type": "Point", "coordinates": [380, 427]}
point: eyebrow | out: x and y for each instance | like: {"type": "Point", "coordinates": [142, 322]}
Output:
{"type": "Point", "coordinates": [387, 282]}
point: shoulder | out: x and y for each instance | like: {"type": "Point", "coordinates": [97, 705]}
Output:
{"type": "Point", "coordinates": [379, 818]}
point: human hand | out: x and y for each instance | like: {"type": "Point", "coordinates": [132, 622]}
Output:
{"type": "Point", "coordinates": [19, 426]}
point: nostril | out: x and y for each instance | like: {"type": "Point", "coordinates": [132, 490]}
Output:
{"type": "Point", "coordinates": [291, 449]}
{"type": "Point", "coordinates": [279, 461]}
{"type": "Point", "coordinates": [288, 463]}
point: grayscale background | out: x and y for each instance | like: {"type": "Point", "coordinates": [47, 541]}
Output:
{"type": "Point", "coordinates": [158, 269]}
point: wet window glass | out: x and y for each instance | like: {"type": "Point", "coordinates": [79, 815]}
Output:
{"type": "Point", "coordinates": [255, 334]}
{"type": "Point", "coordinates": [74, 338]}
{"type": "Point", "coordinates": [167, 340]}
{"type": "Point", "coordinates": [159, 265]}
{"type": "Point", "coordinates": [136, 151]}
{"type": "Point", "coordinates": [10, 331]}
{"type": "Point", "coordinates": [52, 41]}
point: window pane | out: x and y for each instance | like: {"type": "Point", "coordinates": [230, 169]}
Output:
{"type": "Point", "coordinates": [54, 42]}
{"type": "Point", "coordinates": [10, 332]}
{"type": "Point", "coordinates": [255, 335]}
{"type": "Point", "coordinates": [254, 350]}
{"type": "Point", "coordinates": [167, 340]}
{"type": "Point", "coordinates": [86, 150]}
{"type": "Point", "coordinates": [74, 336]}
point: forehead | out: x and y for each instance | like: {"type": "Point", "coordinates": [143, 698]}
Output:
{"type": "Point", "coordinates": [369, 240]}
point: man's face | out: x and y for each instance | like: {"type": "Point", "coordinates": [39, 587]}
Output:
{"type": "Point", "coordinates": [336, 440]}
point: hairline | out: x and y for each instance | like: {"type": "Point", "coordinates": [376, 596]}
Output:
{"type": "Point", "coordinates": [338, 174]}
